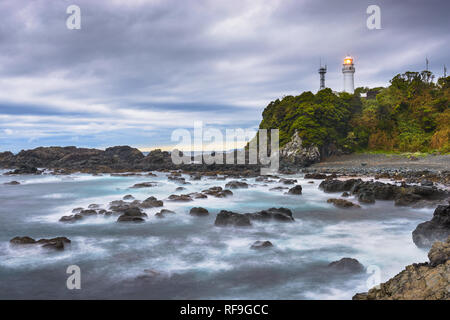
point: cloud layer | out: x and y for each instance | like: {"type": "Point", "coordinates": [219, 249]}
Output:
{"type": "Point", "coordinates": [139, 69]}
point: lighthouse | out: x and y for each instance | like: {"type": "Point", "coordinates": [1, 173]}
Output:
{"type": "Point", "coordinates": [348, 69]}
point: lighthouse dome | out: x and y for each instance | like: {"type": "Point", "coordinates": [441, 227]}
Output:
{"type": "Point", "coordinates": [348, 60]}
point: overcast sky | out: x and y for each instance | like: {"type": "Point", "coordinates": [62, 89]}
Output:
{"type": "Point", "coordinates": [136, 70]}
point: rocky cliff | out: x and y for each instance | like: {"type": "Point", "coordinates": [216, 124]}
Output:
{"type": "Point", "coordinates": [423, 281]}
{"type": "Point", "coordinates": [294, 153]}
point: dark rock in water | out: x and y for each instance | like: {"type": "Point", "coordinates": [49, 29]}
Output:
{"type": "Point", "coordinates": [218, 192]}
{"type": "Point", "coordinates": [123, 218]}
{"type": "Point", "coordinates": [334, 185]}
{"type": "Point", "coordinates": [347, 265]}
{"type": "Point", "coordinates": [287, 181]}
{"type": "Point", "coordinates": [315, 176]}
{"type": "Point", "coordinates": [427, 183]}
{"type": "Point", "coordinates": [198, 195]}
{"type": "Point", "coordinates": [128, 197]}
{"type": "Point", "coordinates": [236, 185]}
{"type": "Point", "coordinates": [57, 243]}
{"type": "Point", "coordinates": [132, 215]}
{"type": "Point", "coordinates": [180, 189]}
{"type": "Point", "coordinates": [94, 206]}
{"type": "Point", "coordinates": [295, 190]}
{"type": "Point", "coordinates": [342, 203]}
{"type": "Point", "coordinates": [24, 169]}
{"type": "Point", "coordinates": [437, 229]}
{"type": "Point", "coordinates": [407, 199]}
{"type": "Point", "coordinates": [119, 205]}
{"type": "Point", "coordinates": [72, 218]}
{"type": "Point", "coordinates": [278, 188]}
{"type": "Point", "coordinates": [22, 240]}
{"type": "Point", "coordinates": [261, 245]}
{"type": "Point", "coordinates": [199, 212]}
{"type": "Point", "coordinates": [144, 185]}
{"type": "Point", "coordinates": [88, 212]}
{"type": "Point", "coordinates": [12, 183]}
{"type": "Point", "coordinates": [180, 198]}
{"type": "Point", "coordinates": [345, 194]}
{"type": "Point", "coordinates": [163, 212]}
{"type": "Point", "coordinates": [151, 202]}
{"type": "Point", "coordinates": [279, 214]}
{"type": "Point", "coordinates": [228, 218]}
{"type": "Point", "coordinates": [367, 196]}
{"type": "Point", "coordinates": [196, 177]}
{"type": "Point", "coordinates": [77, 210]}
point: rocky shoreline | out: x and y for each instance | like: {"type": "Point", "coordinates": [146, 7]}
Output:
{"type": "Point", "coordinates": [407, 186]}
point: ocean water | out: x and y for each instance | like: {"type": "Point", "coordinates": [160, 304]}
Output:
{"type": "Point", "coordinates": [185, 257]}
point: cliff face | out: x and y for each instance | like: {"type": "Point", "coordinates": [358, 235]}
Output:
{"type": "Point", "coordinates": [294, 153]}
{"type": "Point", "coordinates": [424, 281]}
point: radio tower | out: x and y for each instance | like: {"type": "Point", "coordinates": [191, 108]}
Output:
{"type": "Point", "coordinates": [322, 71]}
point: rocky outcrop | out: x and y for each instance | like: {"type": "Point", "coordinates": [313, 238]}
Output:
{"type": "Point", "coordinates": [437, 229]}
{"type": "Point", "coordinates": [57, 243]}
{"type": "Point", "coordinates": [369, 191]}
{"type": "Point", "coordinates": [278, 214]}
{"type": "Point", "coordinates": [296, 154]}
{"type": "Point", "coordinates": [423, 281]}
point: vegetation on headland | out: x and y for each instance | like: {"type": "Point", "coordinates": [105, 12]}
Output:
{"type": "Point", "coordinates": [411, 115]}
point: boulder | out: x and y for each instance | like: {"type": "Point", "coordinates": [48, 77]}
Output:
{"type": "Point", "coordinates": [288, 181]}
{"type": "Point", "coordinates": [279, 214]}
{"type": "Point", "coordinates": [236, 185]}
{"type": "Point", "coordinates": [151, 202]}
{"type": "Point", "coordinates": [71, 218]}
{"type": "Point", "coordinates": [366, 196]}
{"type": "Point", "coordinates": [218, 192]}
{"type": "Point", "coordinates": [163, 212]}
{"type": "Point", "coordinates": [257, 245]}
{"type": "Point", "coordinates": [228, 218]}
{"type": "Point", "coordinates": [128, 197]}
{"type": "Point", "coordinates": [180, 198]}
{"type": "Point", "coordinates": [342, 203]}
{"type": "Point", "coordinates": [12, 183]}
{"type": "Point", "coordinates": [133, 214]}
{"type": "Point", "coordinates": [297, 190]}
{"type": "Point", "coordinates": [437, 229]}
{"type": "Point", "coordinates": [199, 212]}
{"type": "Point", "coordinates": [334, 185]}
{"type": "Point", "coordinates": [57, 243]}
{"type": "Point", "coordinates": [346, 265]}
{"type": "Point", "coordinates": [144, 185]}
{"type": "Point", "coordinates": [315, 176]}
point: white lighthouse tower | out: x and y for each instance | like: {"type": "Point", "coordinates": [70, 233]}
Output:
{"type": "Point", "coordinates": [348, 69]}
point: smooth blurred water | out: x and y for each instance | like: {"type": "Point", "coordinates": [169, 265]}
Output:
{"type": "Point", "coordinates": [193, 258]}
